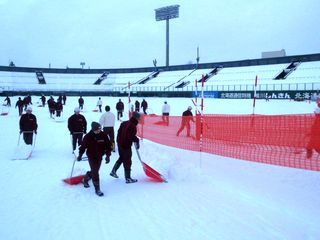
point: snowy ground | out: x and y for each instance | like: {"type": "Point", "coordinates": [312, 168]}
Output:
{"type": "Point", "coordinates": [206, 197]}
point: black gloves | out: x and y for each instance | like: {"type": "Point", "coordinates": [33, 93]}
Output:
{"type": "Point", "coordinates": [79, 158]}
{"type": "Point", "coordinates": [107, 159]}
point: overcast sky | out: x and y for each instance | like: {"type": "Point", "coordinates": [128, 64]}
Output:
{"type": "Point", "coordinates": [118, 34]}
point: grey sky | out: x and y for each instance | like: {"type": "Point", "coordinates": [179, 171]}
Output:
{"type": "Point", "coordinates": [116, 34]}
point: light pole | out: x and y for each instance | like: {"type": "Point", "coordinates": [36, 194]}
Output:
{"type": "Point", "coordinates": [166, 13]}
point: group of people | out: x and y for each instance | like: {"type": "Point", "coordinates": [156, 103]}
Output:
{"type": "Point", "coordinates": [100, 140]}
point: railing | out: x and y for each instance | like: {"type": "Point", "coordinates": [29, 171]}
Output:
{"type": "Point", "coordinates": [314, 86]}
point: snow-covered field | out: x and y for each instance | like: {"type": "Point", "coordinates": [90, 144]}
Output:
{"type": "Point", "coordinates": [206, 197]}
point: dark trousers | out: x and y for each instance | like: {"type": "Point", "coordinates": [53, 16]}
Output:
{"type": "Point", "coordinates": [76, 137]}
{"type": "Point", "coordinates": [144, 110]}
{"type": "Point", "coordinates": [51, 111]}
{"type": "Point", "coordinates": [28, 137]}
{"type": "Point", "coordinates": [58, 113]}
{"type": "Point", "coordinates": [125, 155]}
{"type": "Point", "coordinates": [100, 108]}
{"type": "Point", "coordinates": [109, 131]}
{"type": "Point", "coordinates": [119, 115]}
{"type": "Point", "coordinates": [95, 165]}
{"type": "Point", "coordinates": [20, 110]}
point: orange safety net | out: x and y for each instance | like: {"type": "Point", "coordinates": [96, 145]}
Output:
{"type": "Point", "coordinates": [285, 140]}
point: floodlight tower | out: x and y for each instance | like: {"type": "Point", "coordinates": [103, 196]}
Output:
{"type": "Point", "coordinates": [166, 13]}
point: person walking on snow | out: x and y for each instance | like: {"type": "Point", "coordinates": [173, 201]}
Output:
{"type": "Point", "coordinates": [64, 99]}
{"type": "Point", "coordinates": [126, 136]}
{"type": "Point", "coordinates": [185, 122]}
{"type": "Point", "coordinates": [120, 108]}
{"type": "Point", "coordinates": [81, 102]}
{"type": "Point", "coordinates": [43, 100]}
{"type": "Point", "coordinates": [107, 121]}
{"type": "Point", "coordinates": [51, 106]}
{"type": "Point", "coordinates": [137, 106]}
{"type": "Point", "coordinates": [7, 99]}
{"type": "Point", "coordinates": [28, 125]}
{"type": "Point", "coordinates": [99, 104]}
{"type": "Point", "coordinates": [96, 144]}
{"type": "Point", "coordinates": [144, 106]}
{"type": "Point", "coordinates": [20, 104]}
{"type": "Point", "coordinates": [165, 113]}
{"type": "Point", "coordinates": [77, 126]}
{"type": "Point", "coordinates": [59, 108]}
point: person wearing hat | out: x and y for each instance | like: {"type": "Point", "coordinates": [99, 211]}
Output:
{"type": "Point", "coordinates": [165, 113]}
{"type": "Point", "coordinates": [77, 125]}
{"type": "Point", "coordinates": [28, 125]}
{"type": "Point", "coordinates": [126, 136]}
{"type": "Point", "coordinates": [107, 121]}
{"type": "Point", "coordinates": [95, 144]}
{"type": "Point", "coordinates": [187, 116]}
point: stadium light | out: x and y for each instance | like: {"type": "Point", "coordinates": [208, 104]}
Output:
{"type": "Point", "coordinates": [166, 13]}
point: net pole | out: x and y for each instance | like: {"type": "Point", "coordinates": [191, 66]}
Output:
{"type": "Point", "coordinates": [201, 119]}
{"type": "Point", "coordinates": [254, 94]}
{"type": "Point", "coordinates": [129, 100]}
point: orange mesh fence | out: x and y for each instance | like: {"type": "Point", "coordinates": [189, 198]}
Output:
{"type": "Point", "coordinates": [286, 140]}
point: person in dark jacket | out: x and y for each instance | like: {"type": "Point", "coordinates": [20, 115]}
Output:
{"type": "Point", "coordinates": [77, 125]}
{"type": "Point", "coordinates": [144, 106]}
{"type": "Point", "coordinates": [43, 100]}
{"type": "Point", "coordinates": [59, 108]}
{"type": "Point", "coordinates": [7, 99]}
{"type": "Point", "coordinates": [28, 125]}
{"type": "Point", "coordinates": [51, 106]}
{"type": "Point", "coordinates": [185, 122]}
{"type": "Point", "coordinates": [120, 108]}
{"type": "Point", "coordinates": [64, 99]}
{"type": "Point", "coordinates": [81, 102]}
{"type": "Point", "coordinates": [20, 104]}
{"type": "Point", "coordinates": [137, 106]}
{"type": "Point", "coordinates": [97, 144]}
{"type": "Point", "coordinates": [126, 136]}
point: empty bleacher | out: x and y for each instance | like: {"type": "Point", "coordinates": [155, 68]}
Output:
{"type": "Point", "coordinates": [225, 76]}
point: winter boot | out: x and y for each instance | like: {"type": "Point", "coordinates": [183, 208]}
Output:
{"type": "Point", "coordinates": [127, 174]}
{"type": "Point", "coordinates": [97, 188]}
{"type": "Point", "coordinates": [115, 168]}
{"type": "Point", "coordinates": [86, 180]}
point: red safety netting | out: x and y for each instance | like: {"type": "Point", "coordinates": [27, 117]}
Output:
{"type": "Point", "coordinates": [286, 140]}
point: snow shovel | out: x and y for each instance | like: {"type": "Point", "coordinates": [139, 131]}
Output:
{"type": "Point", "coordinates": [150, 172]}
{"type": "Point", "coordinates": [73, 180]}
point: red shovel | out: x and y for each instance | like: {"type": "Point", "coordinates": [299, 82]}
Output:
{"type": "Point", "coordinates": [73, 180]}
{"type": "Point", "coordinates": [150, 172]}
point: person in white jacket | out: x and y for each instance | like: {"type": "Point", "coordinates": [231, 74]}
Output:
{"type": "Point", "coordinates": [165, 113]}
{"type": "Point", "coordinates": [107, 121]}
{"type": "Point", "coordinates": [99, 104]}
